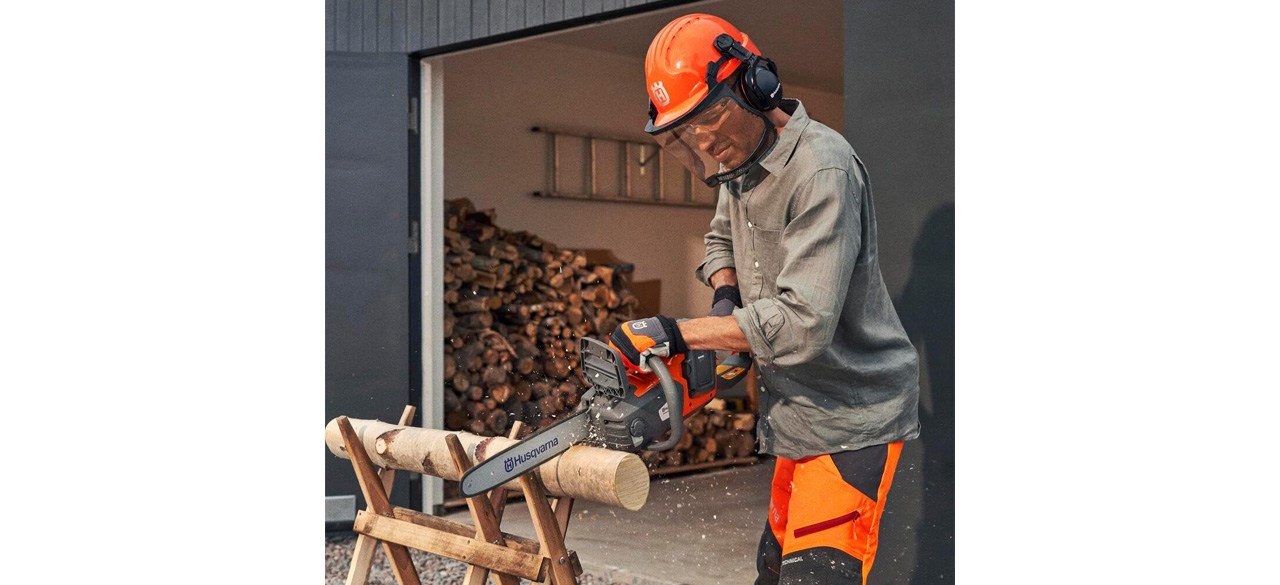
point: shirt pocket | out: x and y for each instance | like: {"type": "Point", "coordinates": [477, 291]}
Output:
{"type": "Point", "coordinates": [766, 261]}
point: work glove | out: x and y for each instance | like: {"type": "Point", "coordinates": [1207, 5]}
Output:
{"type": "Point", "coordinates": [726, 299]}
{"type": "Point", "coordinates": [657, 335]}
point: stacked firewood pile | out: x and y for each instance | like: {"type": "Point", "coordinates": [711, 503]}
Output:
{"type": "Point", "coordinates": [515, 306]}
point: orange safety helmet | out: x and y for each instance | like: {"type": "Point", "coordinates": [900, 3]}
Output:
{"type": "Point", "coordinates": [675, 69]}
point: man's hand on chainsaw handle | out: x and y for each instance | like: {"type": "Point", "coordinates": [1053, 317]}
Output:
{"type": "Point", "coordinates": [657, 335]}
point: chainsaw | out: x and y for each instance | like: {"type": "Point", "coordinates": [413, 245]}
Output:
{"type": "Point", "coordinates": [623, 408]}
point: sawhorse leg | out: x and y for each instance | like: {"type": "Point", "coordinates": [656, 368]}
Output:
{"type": "Point", "coordinates": [375, 496]}
{"type": "Point", "coordinates": [362, 554]}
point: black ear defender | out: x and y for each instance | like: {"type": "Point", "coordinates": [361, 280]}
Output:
{"type": "Point", "coordinates": [759, 83]}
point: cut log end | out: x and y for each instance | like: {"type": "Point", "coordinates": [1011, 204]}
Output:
{"type": "Point", "coordinates": [631, 479]}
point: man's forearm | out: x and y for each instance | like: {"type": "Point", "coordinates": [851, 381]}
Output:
{"type": "Point", "coordinates": [724, 276]}
{"type": "Point", "coordinates": [713, 333]}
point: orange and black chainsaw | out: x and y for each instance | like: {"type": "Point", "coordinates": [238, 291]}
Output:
{"type": "Point", "coordinates": [623, 409]}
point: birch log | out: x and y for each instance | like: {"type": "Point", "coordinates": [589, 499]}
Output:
{"type": "Point", "coordinates": [599, 475]}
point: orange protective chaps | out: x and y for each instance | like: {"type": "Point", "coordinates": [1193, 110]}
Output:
{"type": "Point", "coordinates": [824, 517]}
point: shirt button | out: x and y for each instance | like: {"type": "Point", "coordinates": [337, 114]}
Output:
{"type": "Point", "coordinates": [757, 264]}
{"type": "Point", "coordinates": [748, 224]}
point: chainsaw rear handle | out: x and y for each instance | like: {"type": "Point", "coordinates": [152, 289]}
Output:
{"type": "Point", "coordinates": [675, 403]}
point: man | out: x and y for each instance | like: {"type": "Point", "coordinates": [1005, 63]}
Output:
{"type": "Point", "coordinates": [792, 254]}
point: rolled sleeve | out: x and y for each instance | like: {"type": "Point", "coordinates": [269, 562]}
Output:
{"type": "Point", "coordinates": [820, 248]}
{"type": "Point", "coordinates": [719, 242]}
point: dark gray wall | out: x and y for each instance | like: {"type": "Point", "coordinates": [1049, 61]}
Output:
{"type": "Point", "coordinates": [406, 26]}
{"type": "Point", "coordinates": [367, 191]}
{"type": "Point", "coordinates": [900, 117]}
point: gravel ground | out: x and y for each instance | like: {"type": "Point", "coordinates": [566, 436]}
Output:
{"type": "Point", "coordinates": [432, 569]}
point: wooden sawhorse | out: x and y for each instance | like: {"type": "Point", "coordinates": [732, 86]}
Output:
{"type": "Point", "coordinates": [482, 546]}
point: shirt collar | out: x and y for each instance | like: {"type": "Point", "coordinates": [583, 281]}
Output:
{"type": "Point", "coordinates": [788, 138]}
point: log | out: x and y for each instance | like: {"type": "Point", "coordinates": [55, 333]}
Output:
{"type": "Point", "coordinates": [523, 390]}
{"type": "Point", "coordinates": [458, 207]}
{"type": "Point", "coordinates": [494, 375]}
{"type": "Point", "coordinates": [501, 392]}
{"type": "Point", "coordinates": [673, 458]}
{"type": "Point", "coordinates": [496, 421]}
{"type": "Point", "coordinates": [477, 409]}
{"type": "Point", "coordinates": [450, 364]}
{"type": "Point", "coordinates": [470, 356]}
{"type": "Point", "coordinates": [550, 405]}
{"type": "Point", "coordinates": [478, 232]}
{"type": "Point", "coordinates": [734, 444]}
{"type": "Point", "coordinates": [717, 419]}
{"type": "Point", "coordinates": [455, 420]}
{"type": "Point", "coordinates": [540, 388]}
{"type": "Point", "coordinates": [743, 421]}
{"type": "Point", "coordinates": [685, 442]}
{"type": "Point", "coordinates": [556, 368]}
{"type": "Point", "coordinates": [697, 423]}
{"type": "Point", "coordinates": [604, 273]}
{"type": "Point", "coordinates": [570, 399]}
{"type": "Point", "coordinates": [474, 321]}
{"type": "Point", "coordinates": [484, 279]}
{"type": "Point", "coordinates": [452, 401]}
{"type": "Point", "coordinates": [589, 473]}
{"type": "Point", "coordinates": [464, 273]}
{"type": "Point", "coordinates": [471, 305]}
{"type": "Point", "coordinates": [485, 263]}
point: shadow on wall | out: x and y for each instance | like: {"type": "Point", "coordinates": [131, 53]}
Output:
{"type": "Point", "coordinates": [927, 310]}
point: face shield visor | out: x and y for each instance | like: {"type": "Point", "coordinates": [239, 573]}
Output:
{"type": "Point", "coordinates": [718, 140]}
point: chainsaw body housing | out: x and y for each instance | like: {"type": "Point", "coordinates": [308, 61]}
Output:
{"type": "Point", "coordinates": [628, 413]}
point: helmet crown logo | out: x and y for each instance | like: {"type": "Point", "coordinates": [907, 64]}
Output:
{"type": "Point", "coordinates": [660, 95]}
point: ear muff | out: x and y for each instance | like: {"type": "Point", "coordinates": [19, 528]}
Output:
{"type": "Point", "coordinates": [760, 84]}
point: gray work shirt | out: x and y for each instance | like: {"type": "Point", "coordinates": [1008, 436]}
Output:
{"type": "Point", "coordinates": [837, 371]}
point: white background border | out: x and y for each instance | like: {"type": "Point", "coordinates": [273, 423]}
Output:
{"type": "Point", "coordinates": [162, 234]}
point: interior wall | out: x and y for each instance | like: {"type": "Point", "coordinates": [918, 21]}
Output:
{"type": "Point", "coordinates": [494, 96]}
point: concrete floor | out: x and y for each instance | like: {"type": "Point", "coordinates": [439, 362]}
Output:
{"type": "Point", "coordinates": [703, 528]}
{"type": "Point", "coordinates": [696, 529]}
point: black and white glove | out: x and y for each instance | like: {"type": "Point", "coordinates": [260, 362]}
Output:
{"type": "Point", "coordinates": [657, 335]}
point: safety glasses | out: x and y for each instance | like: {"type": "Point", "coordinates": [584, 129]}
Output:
{"type": "Point", "coordinates": [719, 139]}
